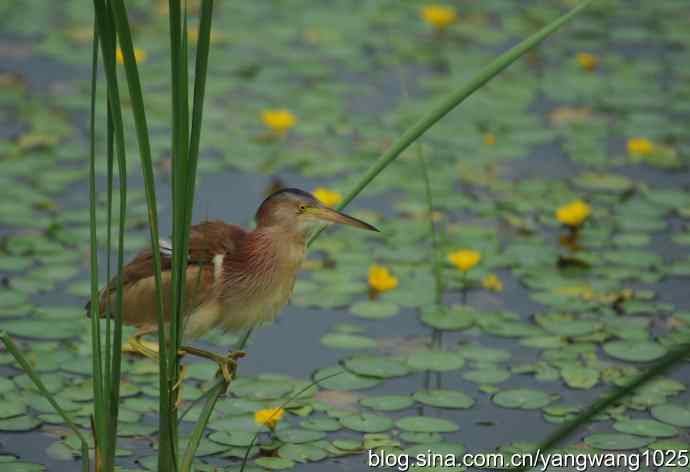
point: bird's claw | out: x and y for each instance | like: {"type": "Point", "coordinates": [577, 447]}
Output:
{"type": "Point", "coordinates": [227, 366]}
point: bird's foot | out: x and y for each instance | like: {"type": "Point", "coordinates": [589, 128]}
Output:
{"type": "Point", "coordinates": [136, 344]}
{"type": "Point", "coordinates": [227, 365]}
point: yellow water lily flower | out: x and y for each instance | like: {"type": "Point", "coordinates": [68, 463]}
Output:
{"type": "Point", "coordinates": [492, 282]}
{"type": "Point", "coordinates": [640, 147]}
{"type": "Point", "coordinates": [489, 139]}
{"type": "Point", "coordinates": [278, 119]}
{"type": "Point", "coordinates": [439, 16]}
{"type": "Point", "coordinates": [380, 279]}
{"type": "Point", "coordinates": [328, 197]}
{"type": "Point", "coordinates": [465, 259]}
{"type": "Point", "coordinates": [587, 61]}
{"type": "Point", "coordinates": [573, 213]}
{"type": "Point", "coordinates": [139, 55]}
{"type": "Point", "coordinates": [269, 417]}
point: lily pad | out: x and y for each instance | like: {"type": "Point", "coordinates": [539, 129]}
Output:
{"type": "Point", "coordinates": [375, 366]}
{"type": "Point", "coordinates": [522, 398]}
{"type": "Point", "coordinates": [645, 427]}
{"type": "Point", "coordinates": [348, 341]}
{"type": "Point", "coordinates": [302, 452]}
{"type": "Point", "coordinates": [675, 415]}
{"type": "Point", "coordinates": [487, 375]}
{"type": "Point", "coordinates": [635, 351]}
{"type": "Point", "coordinates": [275, 463]}
{"type": "Point", "coordinates": [388, 402]}
{"type": "Point", "coordinates": [297, 436]}
{"type": "Point", "coordinates": [344, 380]}
{"type": "Point", "coordinates": [367, 423]}
{"type": "Point", "coordinates": [19, 423]}
{"type": "Point", "coordinates": [236, 438]}
{"type": "Point", "coordinates": [445, 448]}
{"type": "Point", "coordinates": [580, 377]}
{"type": "Point", "coordinates": [426, 424]}
{"type": "Point", "coordinates": [448, 319]}
{"type": "Point", "coordinates": [616, 441]}
{"type": "Point", "coordinates": [374, 310]}
{"type": "Point", "coordinates": [444, 398]}
{"type": "Point", "coordinates": [322, 424]}
{"type": "Point", "coordinates": [439, 361]}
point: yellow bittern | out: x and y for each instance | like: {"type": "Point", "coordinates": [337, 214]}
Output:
{"type": "Point", "coordinates": [235, 278]}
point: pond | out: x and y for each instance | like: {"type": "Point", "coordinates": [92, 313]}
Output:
{"type": "Point", "coordinates": [567, 175]}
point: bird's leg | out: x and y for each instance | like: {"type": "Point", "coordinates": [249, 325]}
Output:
{"type": "Point", "coordinates": [177, 388]}
{"type": "Point", "coordinates": [227, 365]}
{"type": "Point", "coordinates": [140, 346]}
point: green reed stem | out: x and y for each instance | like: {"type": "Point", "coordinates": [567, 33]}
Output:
{"type": "Point", "coordinates": [200, 427]}
{"type": "Point", "coordinates": [121, 26]}
{"type": "Point", "coordinates": [283, 405]}
{"type": "Point", "coordinates": [211, 395]}
{"type": "Point", "coordinates": [665, 364]}
{"type": "Point", "coordinates": [454, 99]}
{"type": "Point", "coordinates": [180, 149]}
{"type": "Point", "coordinates": [435, 259]}
{"type": "Point", "coordinates": [100, 409]}
{"type": "Point", "coordinates": [187, 186]}
{"type": "Point", "coordinates": [24, 364]}
{"type": "Point", "coordinates": [106, 29]}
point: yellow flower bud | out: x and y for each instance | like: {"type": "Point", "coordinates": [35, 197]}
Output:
{"type": "Point", "coordinates": [465, 259]}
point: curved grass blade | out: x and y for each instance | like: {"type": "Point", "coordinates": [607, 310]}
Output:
{"type": "Point", "coordinates": [106, 30]}
{"type": "Point", "coordinates": [211, 396]}
{"type": "Point", "coordinates": [26, 367]}
{"type": "Point", "coordinates": [100, 407]}
{"type": "Point", "coordinates": [138, 110]}
{"type": "Point", "coordinates": [454, 99]}
{"type": "Point", "coordinates": [283, 405]}
{"type": "Point", "coordinates": [664, 365]}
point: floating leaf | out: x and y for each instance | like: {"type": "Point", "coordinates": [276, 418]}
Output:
{"type": "Point", "coordinates": [444, 398]}
{"type": "Point", "coordinates": [347, 341]}
{"type": "Point", "coordinates": [373, 366]}
{"type": "Point", "coordinates": [322, 424]}
{"type": "Point", "coordinates": [236, 438]}
{"type": "Point", "coordinates": [644, 427]}
{"type": "Point", "coordinates": [522, 398]}
{"type": "Point", "coordinates": [675, 415]}
{"type": "Point", "coordinates": [19, 423]}
{"type": "Point", "coordinates": [635, 351]}
{"type": "Point", "coordinates": [374, 310]}
{"type": "Point", "coordinates": [488, 374]}
{"type": "Point", "coordinates": [295, 435]}
{"type": "Point", "coordinates": [275, 463]}
{"type": "Point", "coordinates": [367, 423]}
{"type": "Point", "coordinates": [445, 448]}
{"type": "Point", "coordinates": [425, 424]}
{"type": "Point", "coordinates": [388, 402]}
{"type": "Point", "coordinates": [344, 380]}
{"type": "Point", "coordinates": [443, 318]}
{"type": "Point", "coordinates": [616, 441]}
{"type": "Point", "coordinates": [580, 377]}
{"type": "Point", "coordinates": [439, 361]}
{"type": "Point", "coordinates": [302, 452]}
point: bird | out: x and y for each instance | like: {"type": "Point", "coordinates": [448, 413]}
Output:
{"type": "Point", "coordinates": [236, 278]}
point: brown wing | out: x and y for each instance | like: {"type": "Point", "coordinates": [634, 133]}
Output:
{"type": "Point", "coordinates": [207, 240]}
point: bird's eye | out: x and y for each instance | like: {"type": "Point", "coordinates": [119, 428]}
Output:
{"type": "Point", "coordinates": [302, 207]}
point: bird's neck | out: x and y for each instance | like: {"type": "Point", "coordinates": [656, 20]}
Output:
{"type": "Point", "coordinates": [287, 247]}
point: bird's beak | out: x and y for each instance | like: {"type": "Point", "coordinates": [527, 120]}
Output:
{"type": "Point", "coordinates": [333, 216]}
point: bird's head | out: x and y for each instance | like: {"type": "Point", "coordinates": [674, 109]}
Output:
{"type": "Point", "coordinates": [298, 211]}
